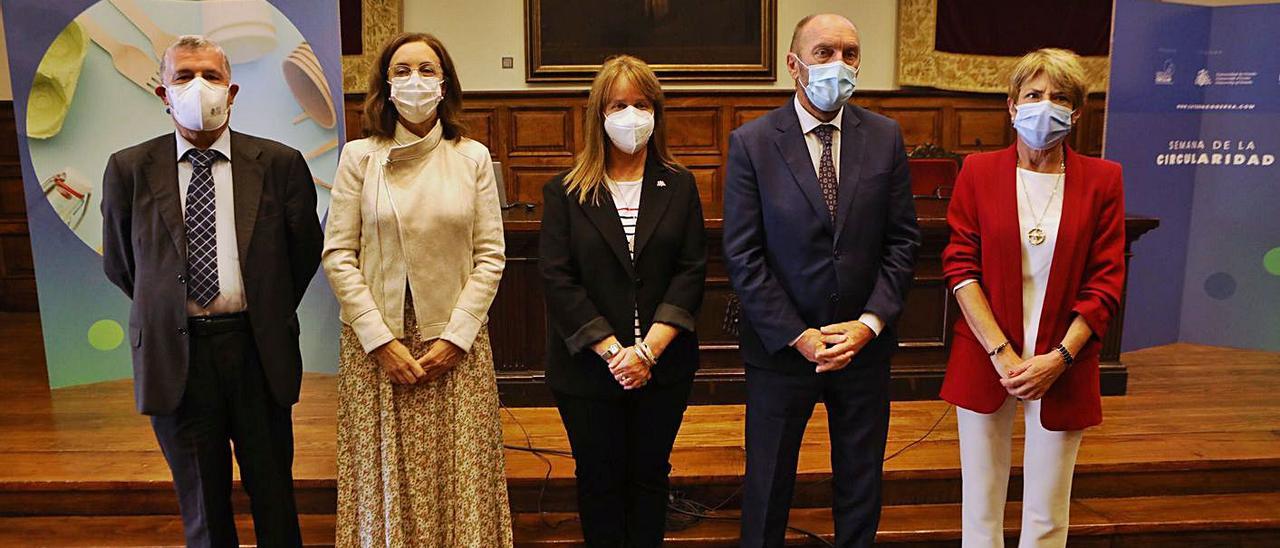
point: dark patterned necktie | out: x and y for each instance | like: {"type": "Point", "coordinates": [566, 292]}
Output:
{"type": "Point", "coordinates": [827, 169]}
{"type": "Point", "coordinates": [202, 231]}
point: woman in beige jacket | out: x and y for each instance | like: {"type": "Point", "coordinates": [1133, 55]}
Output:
{"type": "Point", "coordinates": [414, 252]}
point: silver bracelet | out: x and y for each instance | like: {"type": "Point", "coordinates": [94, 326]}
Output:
{"type": "Point", "coordinates": [646, 354]}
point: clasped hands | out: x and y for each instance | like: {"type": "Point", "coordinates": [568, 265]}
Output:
{"type": "Point", "coordinates": [402, 368]}
{"type": "Point", "coordinates": [832, 347]}
{"type": "Point", "coordinates": [629, 369]}
{"type": "Point", "coordinates": [1028, 379]}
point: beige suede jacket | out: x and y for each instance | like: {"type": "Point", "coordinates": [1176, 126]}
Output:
{"type": "Point", "coordinates": [421, 212]}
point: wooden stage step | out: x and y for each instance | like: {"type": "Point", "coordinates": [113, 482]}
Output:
{"type": "Point", "coordinates": [1183, 465]}
{"type": "Point", "coordinates": [1185, 428]}
{"type": "Point", "coordinates": [1194, 520]}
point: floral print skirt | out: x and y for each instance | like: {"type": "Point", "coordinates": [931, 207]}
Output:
{"type": "Point", "coordinates": [420, 465]}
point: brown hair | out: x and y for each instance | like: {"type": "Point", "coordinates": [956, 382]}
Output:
{"type": "Point", "coordinates": [380, 115]}
{"type": "Point", "coordinates": [1062, 68]}
{"type": "Point", "coordinates": [586, 179]}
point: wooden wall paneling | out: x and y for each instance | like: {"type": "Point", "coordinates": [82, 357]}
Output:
{"type": "Point", "coordinates": [482, 126]}
{"type": "Point", "coordinates": [353, 117]}
{"type": "Point", "coordinates": [13, 201]}
{"type": "Point", "coordinates": [541, 131]}
{"type": "Point", "coordinates": [710, 189]}
{"type": "Point", "coordinates": [694, 130]}
{"type": "Point", "coordinates": [18, 262]}
{"type": "Point", "coordinates": [1093, 123]}
{"type": "Point", "coordinates": [17, 274]}
{"type": "Point", "coordinates": [524, 183]}
{"type": "Point", "coordinates": [978, 129]}
{"type": "Point", "coordinates": [919, 125]}
{"type": "Point", "coordinates": [742, 115]}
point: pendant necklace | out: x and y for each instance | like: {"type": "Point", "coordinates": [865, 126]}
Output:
{"type": "Point", "coordinates": [1036, 235]}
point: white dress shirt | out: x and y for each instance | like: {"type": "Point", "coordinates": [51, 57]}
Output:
{"type": "Point", "coordinates": [230, 297]}
{"type": "Point", "coordinates": [807, 125]}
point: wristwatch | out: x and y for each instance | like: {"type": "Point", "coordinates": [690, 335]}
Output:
{"type": "Point", "coordinates": [610, 352]}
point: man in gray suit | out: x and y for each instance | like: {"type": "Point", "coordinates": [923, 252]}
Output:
{"type": "Point", "coordinates": [214, 236]}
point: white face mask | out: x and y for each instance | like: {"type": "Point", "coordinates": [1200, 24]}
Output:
{"type": "Point", "coordinates": [198, 105]}
{"type": "Point", "coordinates": [415, 97]}
{"type": "Point", "coordinates": [629, 128]}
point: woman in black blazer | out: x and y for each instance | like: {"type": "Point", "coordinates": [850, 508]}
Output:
{"type": "Point", "coordinates": [623, 260]}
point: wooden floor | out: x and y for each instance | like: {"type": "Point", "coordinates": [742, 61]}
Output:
{"type": "Point", "coordinates": [1194, 449]}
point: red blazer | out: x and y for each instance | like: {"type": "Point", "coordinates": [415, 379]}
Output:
{"type": "Point", "coordinates": [1086, 279]}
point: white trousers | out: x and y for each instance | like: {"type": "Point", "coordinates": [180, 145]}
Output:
{"type": "Point", "coordinates": [1049, 459]}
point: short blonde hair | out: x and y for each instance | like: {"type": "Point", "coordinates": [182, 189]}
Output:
{"type": "Point", "coordinates": [1061, 66]}
{"type": "Point", "coordinates": [586, 179]}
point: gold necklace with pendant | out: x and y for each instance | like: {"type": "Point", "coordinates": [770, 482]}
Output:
{"type": "Point", "coordinates": [1036, 235]}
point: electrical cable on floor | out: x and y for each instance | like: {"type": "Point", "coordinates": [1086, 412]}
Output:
{"type": "Point", "coordinates": [676, 502]}
{"type": "Point", "coordinates": [679, 504]}
{"type": "Point", "coordinates": [546, 478]}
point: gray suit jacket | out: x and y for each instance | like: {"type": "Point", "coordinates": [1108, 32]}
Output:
{"type": "Point", "coordinates": [144, 253]}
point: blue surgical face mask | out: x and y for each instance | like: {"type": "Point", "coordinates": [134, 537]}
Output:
{"type": "Point", "coordinates": [1041, 125]}
{"type": "Point", "coordinates": [830, 84]}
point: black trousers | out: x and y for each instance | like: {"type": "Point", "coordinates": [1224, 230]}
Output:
{"type": "Point", "coordinates": [622, 450]}
{"type": "Point", "coordinates": [228, 404]}
{"type": "Point", "coordinates": [779, 406]}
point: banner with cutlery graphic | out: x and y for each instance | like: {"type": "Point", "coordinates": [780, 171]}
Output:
{"type": "Point", "coordinates": [84, 76]}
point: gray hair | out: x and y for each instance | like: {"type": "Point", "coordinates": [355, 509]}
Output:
{"type": "Point", "coordinates": [192, 42]}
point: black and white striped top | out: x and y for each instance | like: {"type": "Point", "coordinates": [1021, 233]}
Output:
{"type": "Point", "coordinates": [626, 196]}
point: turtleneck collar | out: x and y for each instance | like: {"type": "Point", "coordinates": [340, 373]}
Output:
{"type": "Point", "coordinates": [408, 145]}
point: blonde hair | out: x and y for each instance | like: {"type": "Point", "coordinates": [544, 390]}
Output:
{"type": "Point", "coordinates": [1062, 68]}
{"type": "Point", "coordinates": [587, 177]}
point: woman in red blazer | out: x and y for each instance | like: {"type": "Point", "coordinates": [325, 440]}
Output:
{"type": "Point", "coordinates": [1036, 261]}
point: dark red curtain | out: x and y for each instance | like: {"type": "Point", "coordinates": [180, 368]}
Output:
{"type": "Point", "coordinates": [350, 21]}
{"type": "Point", "coordinates": [1014, 27]}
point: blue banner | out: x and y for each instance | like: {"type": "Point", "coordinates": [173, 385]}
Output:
{"type": "Point", "coordinates": [1193, 114]}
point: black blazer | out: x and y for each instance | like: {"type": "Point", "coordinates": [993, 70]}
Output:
{"type": "Point", "coordinates": [791, 265]}
{"type": "Point", "coordinates": [593, 289]}
{"type": "Point", "coordinates": [144, 253]}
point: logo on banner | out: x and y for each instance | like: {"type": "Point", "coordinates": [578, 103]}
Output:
{"type": "Point", "coordinates": [1236, 78]}
{"type": "Point", "coordinates": [1164, 76]}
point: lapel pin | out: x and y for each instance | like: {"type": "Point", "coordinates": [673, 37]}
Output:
{"type": "Point", "coordinates": [662, 184]}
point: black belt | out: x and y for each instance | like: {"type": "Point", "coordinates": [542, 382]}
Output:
{"type": "Point", "coordinates": [220, 323]}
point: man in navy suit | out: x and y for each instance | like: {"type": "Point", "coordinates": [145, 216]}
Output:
{"type": "Point", "coordinates": [820, 237]}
